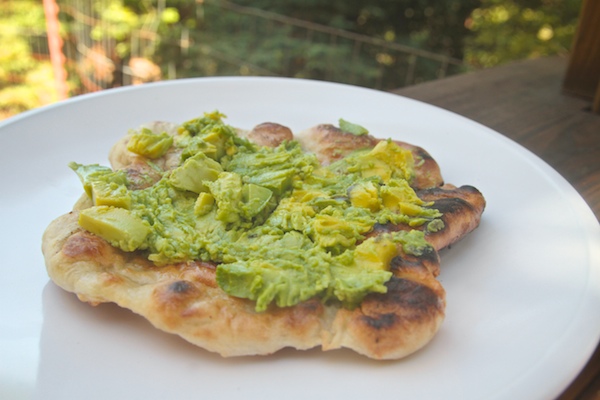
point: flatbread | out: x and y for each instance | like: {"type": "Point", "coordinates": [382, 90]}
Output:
{"type": "Point", "coordinates": [184, 298]}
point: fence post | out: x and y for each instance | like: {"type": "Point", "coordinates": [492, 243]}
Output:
{"type": "Point", "coordinates": [57, 58]}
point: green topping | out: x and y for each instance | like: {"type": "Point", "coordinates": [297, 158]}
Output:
{"type": "Point", "coordinates": [209, 135]}
{"type": "Point", "coordinates": [274, 169]}
{"type": "Point", "coordinates": [255, 198]}
{"type": "Point", "coordinates": [227, 191]}
{"type": "Point", "coordinates": [110, 194]}
{"type": "Point", "coordinates": [97, 173]}
{"type": "Point", "coordinates": [288, 270]}
{"type": "Point", "coordinates": [385, 161]}
{"type": "Point", "coordinates": [281, 228]}
{"type": "Point", "coordinates": [352, 128]}
{"type": "Point", "coordinates": [291, 269]}
{"type": "Point", "coordinates": [195, 173]}
{"type": "Point", "coordinates": [204, 204]}
{"type": "Point", "coordinates": [149, 144]}
{"type": "Point", "coordinates": [117, 225]}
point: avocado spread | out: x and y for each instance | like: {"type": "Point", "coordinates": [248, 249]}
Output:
{"type": "Point", "coordinates": [280, 227]}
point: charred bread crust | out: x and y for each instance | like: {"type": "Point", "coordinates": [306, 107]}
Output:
{"type": "Point", "coordinates": [461, 208]}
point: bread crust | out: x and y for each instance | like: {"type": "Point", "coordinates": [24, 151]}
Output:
{"type": "Point", "coordinates": [184, 298]}
{"type": "Point", "coordinates": [330, 144]}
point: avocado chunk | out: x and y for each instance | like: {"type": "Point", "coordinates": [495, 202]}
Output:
{"type": "Point", "coordinates": [227, 191]}
{"type": "Point", "coordinates": [385, 161]}
{"type": "Point", "coordinates": [399, 197]}
{"type": "Point", "coordinates": [365, 194]}
{"type": "Point", "coordinates": [351, 283]}
{"type": "Point", "coordinates": [336, 230]}
{"type": "Point", "coordinates": [375, 253]}
{"type": "Point", "coordinates": [277, 181]}
{"type": "Point", "coordinates": [116, 225]}
{"type": "Point", "coordinates": [332, 232]}
{"type": "Point", "coordinates": [352, 128]}
{"type": "Point", "coordinates": [291, 215]}
{"type": "Point", "coordinates": [412, 242]}
{"type": "Point", "coordinates": [217, 140]}
{"type": "Point", "coordinates": [204, 204]}
{"type": "Point", "coordinates": [93, 173]}
{"type": "Point", "coordinates": [212, 131]}
{"type": "Point", "coordinates": [236, 201]}
{"type": "Point", "coordinates": [398, 192]}
{"type": "Point", "coordinates": [195, 145]}
{"type": "Point", "coordinates": [110, 194]}
{"type": "Point", "coordinates": [149, 144]}
{"type": "Point", "coordinates": [255, 199]}
{"type": "Point", "coordinates": [195, 172]}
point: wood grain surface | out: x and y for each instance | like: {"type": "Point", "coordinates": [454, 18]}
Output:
{"type": "Point", "coordinates": [525, 101]}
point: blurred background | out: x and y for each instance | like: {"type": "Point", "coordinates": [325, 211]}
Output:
{"type": "Point", "coordinates": [55, 49]}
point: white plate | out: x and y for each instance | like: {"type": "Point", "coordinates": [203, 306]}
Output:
{"type": "Point", "coordinates": [523, 290]}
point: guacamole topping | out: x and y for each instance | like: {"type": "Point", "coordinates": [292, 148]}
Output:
{"type": "Point", "coordinates": [352, 128]}
{"type": "Point", "coordinates": [280, 227]}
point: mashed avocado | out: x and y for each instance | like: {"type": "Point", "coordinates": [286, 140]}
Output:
{"type": "Point", "coordinates": [281, 228]}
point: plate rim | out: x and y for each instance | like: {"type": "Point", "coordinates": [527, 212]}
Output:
{"type": "Point", "coordinates": [591, 228]}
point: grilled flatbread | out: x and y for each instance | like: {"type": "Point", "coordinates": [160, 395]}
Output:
{"type": "Point", "coordinates": [184, 297]}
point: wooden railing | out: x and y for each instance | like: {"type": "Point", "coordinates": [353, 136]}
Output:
{"type": "Point", "coordinates": [583, 73]}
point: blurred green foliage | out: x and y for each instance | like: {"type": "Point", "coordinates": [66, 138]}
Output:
{"type": "Point", "coordinates": [25, 81]}
{"type": "Point", "coordinates": [505, 30]}
{"type": "Point", "coordinates": [184, 38]}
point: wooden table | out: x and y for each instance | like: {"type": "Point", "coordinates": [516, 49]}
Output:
{"type": "Point", "coordinates": [524, 101]}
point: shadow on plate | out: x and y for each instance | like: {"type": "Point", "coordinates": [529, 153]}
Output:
{"type": "Point", "coordinates": [108, 351]}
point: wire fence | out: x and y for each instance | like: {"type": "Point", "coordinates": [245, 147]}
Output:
{"type": "Point", "coordinates": [255, 42]}
{"type": "Point", "coordinates": [399, 59]}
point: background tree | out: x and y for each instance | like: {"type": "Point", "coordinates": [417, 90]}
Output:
{"type": "Point", "coordinates": [25, 73]}
{"type": "Point", "coordinates": [119, 42]}
{"type": "Point", "coordinates": [505, 30]}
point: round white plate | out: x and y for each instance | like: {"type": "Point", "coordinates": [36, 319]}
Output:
{"type": "Point", "coordinates": [523, 290]}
